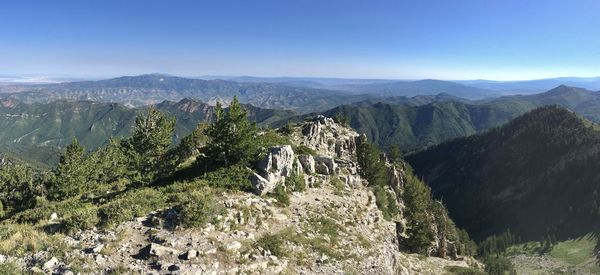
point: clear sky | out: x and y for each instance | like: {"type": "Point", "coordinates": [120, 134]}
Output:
{"type": "Point", "coordinates": [457, 39]}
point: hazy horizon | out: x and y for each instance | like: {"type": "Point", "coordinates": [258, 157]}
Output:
{"type": "Point", "coordinates": [43, 79]}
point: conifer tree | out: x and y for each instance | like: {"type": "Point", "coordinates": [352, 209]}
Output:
{"type": "Point", "coordinates": [70, 175]}
{"type": "Point", "coordinates": [191, 144]}
{"type": "Point", "coordinates": [18, 187]}
{"type": "Point", "coordinates": [146, 148]}
{"type": "Point", "coordinates": [371, 165]}
{"type": "Point", "coordinates": [395, 155]}
{"type": "Point", "coordinates": [417, 199]}
{"type": "Point", "coordinates": [232, 138]}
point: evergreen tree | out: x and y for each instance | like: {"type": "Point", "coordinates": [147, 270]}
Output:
{"type": "Point", "coordinates": [146, 148]}
{"type": "Point", "coordinates": [417, 199]}
{"type": "Point", "coordinates": [18, 188]}
{"type": "Point", "coordinates": [395, 155]}
{"type": "Point", "coordinates": [191, 144]}
{"type": "Point", "coordinates": [110, 163]}
{"type": "Point", "coordinates": [371, 165]}
{"type": "Point", "coordinates": [70, 175]}
{"type": "Point", "coordinates": [232, 139]}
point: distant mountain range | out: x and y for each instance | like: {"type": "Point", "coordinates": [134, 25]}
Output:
{"type": "Point", "coordinates": [490, 88]}
{"type": "Point", "coordinates": [154, 88]}
{"type": "Point", "coordinates": [537, 176]}
{"type": "Point", "coordinates": [534, 86]}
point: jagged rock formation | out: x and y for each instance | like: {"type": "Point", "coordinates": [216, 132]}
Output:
{"type": "Point", "coordinates": [334, 227]}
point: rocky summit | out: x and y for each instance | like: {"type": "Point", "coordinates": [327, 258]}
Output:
{"type": "Point", "coordinates": [332, 226]}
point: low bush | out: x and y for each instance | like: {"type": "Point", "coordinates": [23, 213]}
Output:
{"type": "Point", "coordinates": [196, 209]}
{"type": "Point", "coordinates": [461, 270]}
{"type": "Point", "coordinates": [130, 205]}
{"type": "Point", "coordinates": [44, 209]}
{"type": "Point", "coordinates": [273, 243]}
{"type": "Point", "coordinates": [499, 265]}
{"type": "Point", "coordinates": [233, 177]}
{"type": "Point", "coordinates": [303, 150]}
{"type": "Point", "coordinates": [281, 195]}
{"type": "Point", "coordinates": [10, 268]}
{"type": "Point", "coordinates": [338, 186]}
{"type": "Point", "coordinates": [296, 182]}
{"type": "Point", "coordinates": [81, 219]}
{"type": "Point", "coordinates": [386, 202]}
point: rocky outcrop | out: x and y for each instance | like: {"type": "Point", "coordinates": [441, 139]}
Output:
{"type": "Point", "coordinates": [308, 164]}
{"type": "Point", "coordinates": [329, 138]}
{"type": "Point", "coordinates": [277, 164]}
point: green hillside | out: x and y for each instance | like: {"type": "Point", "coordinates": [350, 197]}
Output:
{"type": "Point", "coordinates": [536, 176]}
{"type": "Point", "coordinates": [414, 123]}
{"type": "Point", "coordinates": [33, 131]}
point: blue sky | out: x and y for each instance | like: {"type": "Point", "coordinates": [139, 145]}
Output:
{"type": "Point", "coordinates": [359, 39]}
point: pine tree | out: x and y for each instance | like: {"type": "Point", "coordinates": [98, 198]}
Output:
{"type": "Point", "coordinates": [417, 199]}
{"type": "Point", "coordinates": [395, 155]}
{"type": "Point", "coordinates": [18, 187]}
{"type": "Point", "coordinates": [191, 144]}
{"type": "Point", "coordinates": [70, 175]}
{"type": "Point", "coordinates": [232, 139]}
{"type": "Point", "coordinates": [110, 163]}
{"type": "Point", "coordinates": [371, 165]}
{"type": "Point", "coordinates": [146, 148]}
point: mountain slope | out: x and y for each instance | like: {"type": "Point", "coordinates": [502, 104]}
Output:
{"type": "Point", "coordinates": [421, 121]}
{"type": "Point", "coordinates": [53, 125]}
{"type": "Point", "coordinates": [154, 88]}
{"type": "Point", "coordinates": [414, 127]}
{"type": "Point", "coordinates": [536, 176]}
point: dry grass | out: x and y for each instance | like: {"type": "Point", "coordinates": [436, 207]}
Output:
{"type": "Point", "coordinates": [20, 239]}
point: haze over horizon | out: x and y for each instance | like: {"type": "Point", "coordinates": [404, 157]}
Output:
{"type": "Point", "coordinates": [460, 40]}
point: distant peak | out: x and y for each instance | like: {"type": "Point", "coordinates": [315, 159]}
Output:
{"type": "Point", "coordinates": [566, 89]}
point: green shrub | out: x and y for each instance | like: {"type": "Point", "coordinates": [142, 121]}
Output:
{"type": "Point", "coordinates": [273, 243]}
{"type": "Point", "coordinates": [10, 268]}
{"type": "Point", "coordinates": [196, 208]}
{"type": "Point", "coordinates": [233, 177]}
{"type": "Point", "coordinates": [281, 195]}
{"type": "Point", "coordinates": [461, 270]}
{"type": "Point", "coordinates": [81, 219]}
{"type": "Point", "coordinates": [130, 205]}
{"type": "Point", "coordinates": [45, 209]}
{"type": "Point", "coordinates": [271, 138]}
{"type": "Point", "coordinates": [296, 182]}
{"type": "Point", "coordinates": [386, 202]}
{"type": "Point", "coordinates": [326, 226]}
{"type": "Point", "coordinates": [185, 186]}
{"type": "Point", "coordinates": [303, 150]}
{"type": "Point", "coordinates": [286, 129]}
{"type": "Point", "coordinates": [338, 186]}
{"type": "Point", "coordinates": [499, 265]}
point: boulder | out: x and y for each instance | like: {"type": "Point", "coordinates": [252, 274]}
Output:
{"type": "Point", "coordinates": [261, 185]}
{"type": "Point", "coordinates": [308, 163]}
{"type": "Point", "coordinates": [273, 168]}
{"type": "Point", "coordinates": [191, 254]}
{"type": "Point", "coordinates": [326, 165]}
{"type": "Point", "coordinates": [49, 265]}
{"type": "Point", "coordinates": [157, 250]}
